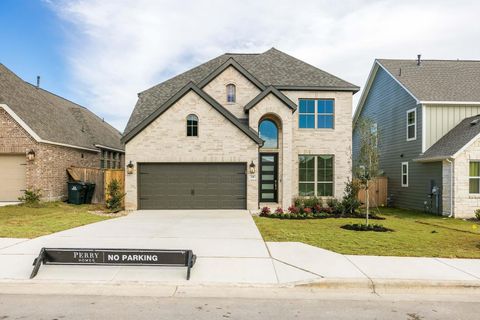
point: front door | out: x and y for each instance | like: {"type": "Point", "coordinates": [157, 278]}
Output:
{"type": "Point", "coordinates": [268, 177]}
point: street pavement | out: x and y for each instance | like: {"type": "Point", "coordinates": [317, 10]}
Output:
{"type": "Point", "coordinates": [412, 307]}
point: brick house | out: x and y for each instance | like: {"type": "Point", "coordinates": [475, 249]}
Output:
{"type": "Point", "coordinates": [42, 134]}
{"type": "Point", "coordinates": [240, 131]}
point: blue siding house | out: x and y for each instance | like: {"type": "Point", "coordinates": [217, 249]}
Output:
{"type": "Point", "coordinates": [414, 103]}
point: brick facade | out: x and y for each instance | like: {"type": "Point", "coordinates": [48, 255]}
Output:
{"type": "Point", "coordinates": [48, 170]}
{"type": "Point", "coordinates": [164, 140]}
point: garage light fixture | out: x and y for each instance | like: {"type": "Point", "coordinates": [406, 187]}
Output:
{"type": "Point", "coordinates": [30, 155]}
{"type": "Point", "coordinates": [252, 168]}
{"type": "Point", "coordinates": [130, 167]}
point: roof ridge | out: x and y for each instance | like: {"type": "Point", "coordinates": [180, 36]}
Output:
{"type": "Point", "coordinates": [437, 60]}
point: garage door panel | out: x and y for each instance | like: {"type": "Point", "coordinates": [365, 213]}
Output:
{"type": "Point", "coordinates": [192, 186]}
{"type": "Point", "coordinates": [13, 181]}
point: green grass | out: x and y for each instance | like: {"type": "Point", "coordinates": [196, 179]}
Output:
{"type": "Point", "coordinates": [24, 222]}
{"type": "Point", "coordinates": [416, 234]}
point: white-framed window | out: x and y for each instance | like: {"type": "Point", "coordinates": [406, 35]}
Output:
{"type": "Point", "coordinates": [316, 113]}
{"type": "Point", "coordinates": [231, 93]}
{"type": "Point", "coordinates": [474, 177]}
{"type": "Point", "coordinates": [315, 175]}
{"type": "Point", "coordinates": [412, 124]}
{"type": "Point", "coordinates": [404, 174]}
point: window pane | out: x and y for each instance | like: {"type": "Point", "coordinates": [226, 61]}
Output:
{"type": "Point", "coordinates": [267, 176]}
{"type": "Point", "coordinates": [325, 189]}
{"type": "Point", "coordinates": [267, 158]}
{"type": "Point", "coordinates": [306, 168]}
{"type": "Point", "coordinates": [267, 186]}
{"type": "Point", "coordinates": [269, 133]}
{"type": "Point", "coordinates": [230, 93]}
{"type": "Point", "coordinates": [474, 185]}
{"type": "Point", "coordinates": [404, 179]}
{"type": "Point", "coordinates": [307, 121]}
{"type": "Point", "coordinates": [404, 169]}
{"type": "Point", "coordinates": [306, 189]}
{"type": "Point", "coordinates": [267, 168]}
{"type": "Point", "coordinates": [325, 121]}
{"type": "Point", "coordinates": [411, 117]}
{"type": "Point", "coordinates": [306, 106]}
{"type": "Point", "coordinates": [411, 132]}
{"type": "Point", "coordinates": [268, 196]}
{"type": "Point", "coordinates": [474, 169]}
{"type": "Point", "coordinates": [325, 168]}
{"type": "Point", "coordinates": [194, 131]}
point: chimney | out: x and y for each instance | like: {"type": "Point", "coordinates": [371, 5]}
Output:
{"type": "Point", "coordinates": [38, 82]}
{"type": "Point", "coordinates": [419, 56]}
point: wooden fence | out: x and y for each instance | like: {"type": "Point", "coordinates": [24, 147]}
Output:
{"type": "Point", "coordinates": [378, 192]}
{"type": "Point", "coordinates": [101, 178]}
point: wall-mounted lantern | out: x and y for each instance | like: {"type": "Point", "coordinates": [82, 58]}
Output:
{"type": "Point", "coordinates": [30, 155]}
{"type": "Point", "coordinates": [252, 168]}
{"type": "Point", "coordinates": [130, 167]}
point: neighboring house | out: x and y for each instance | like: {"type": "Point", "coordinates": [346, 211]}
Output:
{"type": "Point", "coordinates": [42, 134]}
{"type": "Point", "coordinates": [422, 110]}
{"type": "Point", "coordinates": [240, 131]}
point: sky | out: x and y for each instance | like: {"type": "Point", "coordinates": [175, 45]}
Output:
{"type": "Point", "coordinates": [101, 53]}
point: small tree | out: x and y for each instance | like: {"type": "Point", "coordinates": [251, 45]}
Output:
{"type": "Point", "coordinates": [115, 196]}
{"type": "Point", "coordinates": [367, 167]}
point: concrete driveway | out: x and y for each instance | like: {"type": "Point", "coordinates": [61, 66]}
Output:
{"type": "Point", "coordinates": [227, 243]}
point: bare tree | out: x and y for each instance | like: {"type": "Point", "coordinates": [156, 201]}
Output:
{"type": "Point", "coordinates": [366, 166]}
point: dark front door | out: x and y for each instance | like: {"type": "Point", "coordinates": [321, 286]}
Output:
{"type": "Point", "coordinates": [192, 186]}
{"type": "Point", "coordinates": [268, 177]}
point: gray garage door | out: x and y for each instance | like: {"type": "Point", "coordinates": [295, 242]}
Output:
{"type": "Point", "coordinates": [12, 182]}
{"type": "Point", "coordinates": [192, 186]}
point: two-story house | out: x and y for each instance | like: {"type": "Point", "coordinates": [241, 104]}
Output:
{"type": "Point", "coordinates": [239, 132]}
{"type": "Point", "coordinates": [425, 117]}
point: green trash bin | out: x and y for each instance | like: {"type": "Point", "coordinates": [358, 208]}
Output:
{"type": "Point", "coordinates": [76, 192]}
{"type": "Point", "coordinates": [89, 192]}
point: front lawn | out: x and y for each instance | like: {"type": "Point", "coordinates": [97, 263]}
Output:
{"type": "Point", "coordinates": [415, 234]}
{"type": "Point", "coordinates": [25, 222]}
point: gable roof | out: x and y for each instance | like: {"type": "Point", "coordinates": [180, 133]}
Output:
{"type": "Point", "coordinates": [455, 141]}
{"type": "Point", "coordinates": [53, 119]}
{"type": "Point", "coordinates": [182, 92]}
{"type": "Point", "coordinates": [437, 80]}
{"type": "Point", "coordinates": [433, 81]}
{"type": "Point", "coordinates": [271, 68]}
{"type": "Point", "coordinates": [289, 103]}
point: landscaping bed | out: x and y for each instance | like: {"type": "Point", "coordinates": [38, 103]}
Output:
{"type": "Point", "coordinates": [20, 221]}
{"type": "Point", "coordinates": [415, 234]}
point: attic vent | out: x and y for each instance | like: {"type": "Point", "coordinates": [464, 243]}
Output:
{"type": "Point", "coordinates": [475, 121]}
{"type": "Point", "coordinates": [419, 59]}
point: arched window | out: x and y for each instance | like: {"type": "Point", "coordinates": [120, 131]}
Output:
{"type": "Point", "coordinates": [192, 125]}
{"type": "Point", "coordinates": [268, 133]}
{"type": "Point", "coordinates": [231, 93]}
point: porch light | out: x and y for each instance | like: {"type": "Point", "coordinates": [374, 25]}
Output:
{"type": "Point", "coordinates": [130, 167]}
{"type": "Point", "coordinates": [31, 155]}
{"type": "Point", "coordinates": [252, 168]}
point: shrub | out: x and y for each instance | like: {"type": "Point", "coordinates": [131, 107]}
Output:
{"type": "Point", "coordinates": [335, 206]}
{"type": "Point", "coordinates": [307, 202]}
{"type": "Point", "coordinates": [477, 214]}
{"type": "Point", "coordinates": [294, 210]}
{"type": "Point", "coordinates": [279, 210]}
{"type": "Point", "coordinates": [115, 196]}
{"type": "Point", "coordinates": [366, 227]}
{"type": "Point", "coordinates": [307, 210]}
{"type": "Point", "coordinates": [265, 212]}
{"type": "Point", "coordinates": [31, 197]}
{"type": "Point", "coordinates": [350, 203]}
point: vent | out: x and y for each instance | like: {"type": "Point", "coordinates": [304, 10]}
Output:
{"type": "Point", "coordinates": [475, 121]}
{"type": "Point", "coordinates": [419, 59]}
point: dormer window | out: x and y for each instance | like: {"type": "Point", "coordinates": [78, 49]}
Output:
{"type": "Point", "coordinates": [231, 94]}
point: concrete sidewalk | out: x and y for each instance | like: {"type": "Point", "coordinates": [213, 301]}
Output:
{"type": "Point", "coordinates": [230, 251]}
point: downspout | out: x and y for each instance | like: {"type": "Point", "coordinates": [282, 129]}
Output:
{"type": "Point", "coordinates": [451, 187]}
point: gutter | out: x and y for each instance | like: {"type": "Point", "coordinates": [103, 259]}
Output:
{"type": "Point", "coordinates": [109, 148]}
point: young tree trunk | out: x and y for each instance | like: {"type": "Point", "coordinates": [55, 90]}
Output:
{"type": "Point", "coordinates": [367, 196]}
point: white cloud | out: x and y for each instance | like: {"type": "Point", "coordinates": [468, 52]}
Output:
{"type": "Point", "coordinates": [119, 48]}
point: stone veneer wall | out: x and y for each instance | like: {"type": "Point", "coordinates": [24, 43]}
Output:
{"type": "Point", "coordinates": [48, 170]}
{"type": "Point", "coordinates": [245, 91]}
{"type": "Point", "coordinates": [165, 140]}
{"type": "Point", "coordinates": [464, 203]}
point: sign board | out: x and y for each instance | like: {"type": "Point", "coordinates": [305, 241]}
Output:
{"type": "Point", "coordinates": [252, 177]}
{"type": "Point", "coordinates": [123, 257]}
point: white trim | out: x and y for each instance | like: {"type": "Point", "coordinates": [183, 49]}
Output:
{"type": "Point", "coordinates": [424, 128]}
{"type": "Point", "coordinates": [109, 148]}
{"type": "Point", "coordinates": [401, 174]}
{"type": "Point", "coordinates": [414, 110]}
{"type": "Point", "coordinates": [36, 136]}
{"type": "Point", "coordinates": [371, 76]}
{"type": "Point", "coordinates": [451, 102]}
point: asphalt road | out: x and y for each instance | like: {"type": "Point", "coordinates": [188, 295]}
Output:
{"type": "Point", "coordinates": [355, 307]}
